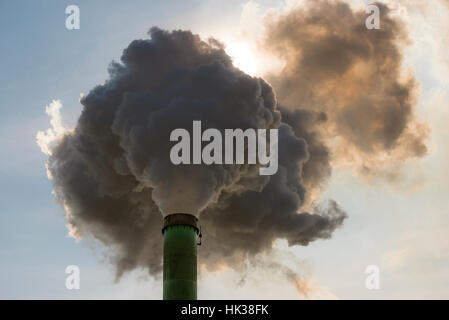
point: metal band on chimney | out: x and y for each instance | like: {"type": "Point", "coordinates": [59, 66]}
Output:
{"type": "Point", "coordinates": [183, 219]}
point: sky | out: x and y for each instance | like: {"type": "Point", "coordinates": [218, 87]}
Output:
{"type": "Point", "coordinates": [402, 227]}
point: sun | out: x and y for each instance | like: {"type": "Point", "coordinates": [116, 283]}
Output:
{"type": "Point", "coordinates": [243, 57]}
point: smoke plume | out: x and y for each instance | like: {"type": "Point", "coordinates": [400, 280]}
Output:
{"type": "Point", "coordinates": [343, 86]}
{"type": "Point", "coordinates": [113, 175]}
{"type": "Point", "coordinates": [342, 96]}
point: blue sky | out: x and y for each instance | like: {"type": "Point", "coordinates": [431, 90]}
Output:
{"type": "Point", "coordinates": [404, 229]}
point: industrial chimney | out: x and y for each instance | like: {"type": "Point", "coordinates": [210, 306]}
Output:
{"type": "Point", "coordinates": [180, 259]}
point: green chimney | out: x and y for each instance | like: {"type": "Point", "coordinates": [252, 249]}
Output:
{"type": "Point", "coordinates": [180, 259]}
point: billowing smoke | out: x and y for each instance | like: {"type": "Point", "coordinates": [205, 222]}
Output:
{"type": "Point", "coordinates": [343, 87]}
{"type": "Point", "coordinates": [113, 175]}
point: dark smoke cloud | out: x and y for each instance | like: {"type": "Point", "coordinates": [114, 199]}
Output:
{"type": "Point", "coordinates": [306, 124]}
{"type": "Point", "coordinates": [113, 174]}
{"type": "Point", "coordinates": [349, 81]}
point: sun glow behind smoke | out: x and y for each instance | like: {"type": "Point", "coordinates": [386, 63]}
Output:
{"type": "Point", "coordinates": [243, 57]}
{"type": "Point", "coordinates": [248, 56]}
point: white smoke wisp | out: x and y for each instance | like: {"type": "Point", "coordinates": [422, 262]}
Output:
{"type": "Point", "coordinates": [46, 139]}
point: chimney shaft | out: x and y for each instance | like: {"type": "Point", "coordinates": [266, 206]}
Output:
{"type": "Point", "coordinates": [180, 257]}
